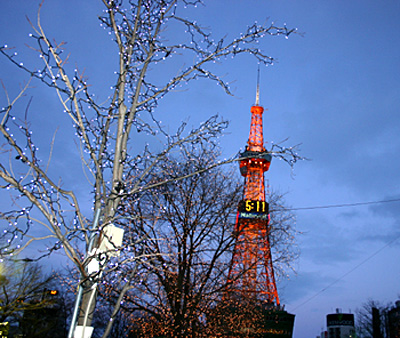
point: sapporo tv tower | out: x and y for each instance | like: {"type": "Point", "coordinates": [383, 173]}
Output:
{"type": "Point", "coordinates": [251, 276]}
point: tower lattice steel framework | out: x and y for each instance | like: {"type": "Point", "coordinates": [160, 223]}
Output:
{"type": "Point", "coordinates": [251, 274]}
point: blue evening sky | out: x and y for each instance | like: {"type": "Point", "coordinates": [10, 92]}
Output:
{"type": "Point", "coordinates": [335, 89]}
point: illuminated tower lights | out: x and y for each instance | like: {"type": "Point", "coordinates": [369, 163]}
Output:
{"type": "Point", "coordinates": [252, 274]}
{"type": "Point", "coordinates": [250, 306]}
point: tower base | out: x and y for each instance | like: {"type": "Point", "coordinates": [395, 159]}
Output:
{"type": "Point", "coordinates": [248, 320]}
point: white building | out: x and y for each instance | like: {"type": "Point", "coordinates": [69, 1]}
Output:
{"type": "Point", "coordinates": [340, 325]}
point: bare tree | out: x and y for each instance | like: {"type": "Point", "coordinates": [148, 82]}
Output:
{"type": "Point", "coordinates": [45, 206]}
{"type": "Point", "coordinates": [370, 319]}
{"type": "Point", "coordinates": [282, 233]}
{"type": "Point", "coordinates": [23, 287]}
{"type": "Point", "coordinates": [189, 231]}
{"type": "Point", "coordinates": [189, 228]}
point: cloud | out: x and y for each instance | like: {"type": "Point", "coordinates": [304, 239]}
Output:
{"type": "Point", "coordinates": [388, 209]}
{"type": "Point", "coordinates": [327, 240]}
{"type": "Point", "coordinates": [304, 287]}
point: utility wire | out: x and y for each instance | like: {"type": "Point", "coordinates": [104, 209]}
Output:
{"type": "Point", "coordinates": [351, 270]}
{"type": "Point", "coordinates": [343, 205]}
{"type": "Point", "coordinates": [359, 264]}
{"type": "Point", "coordinates": [339, 205]}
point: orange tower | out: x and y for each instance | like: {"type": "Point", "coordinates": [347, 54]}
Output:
{"type": "Point", "coordinates": [251, 274]}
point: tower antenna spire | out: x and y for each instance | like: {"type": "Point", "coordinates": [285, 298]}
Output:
{"type": "Point", "coordinates": [258, 86]}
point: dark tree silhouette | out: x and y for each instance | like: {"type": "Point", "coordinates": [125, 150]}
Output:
{"type": "Point", "coordinates": [23, 286]}
{"type": "Point", "coordinates": [370, 319]}
{"type": "Point", "coordinates": [187, 229]}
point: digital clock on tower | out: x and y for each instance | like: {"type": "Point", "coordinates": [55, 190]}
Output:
{"type": "Point", "coordinates": [252, 206]}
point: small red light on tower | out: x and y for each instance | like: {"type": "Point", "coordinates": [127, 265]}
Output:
{"type": "Point", "coordinates": [257, 110]}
